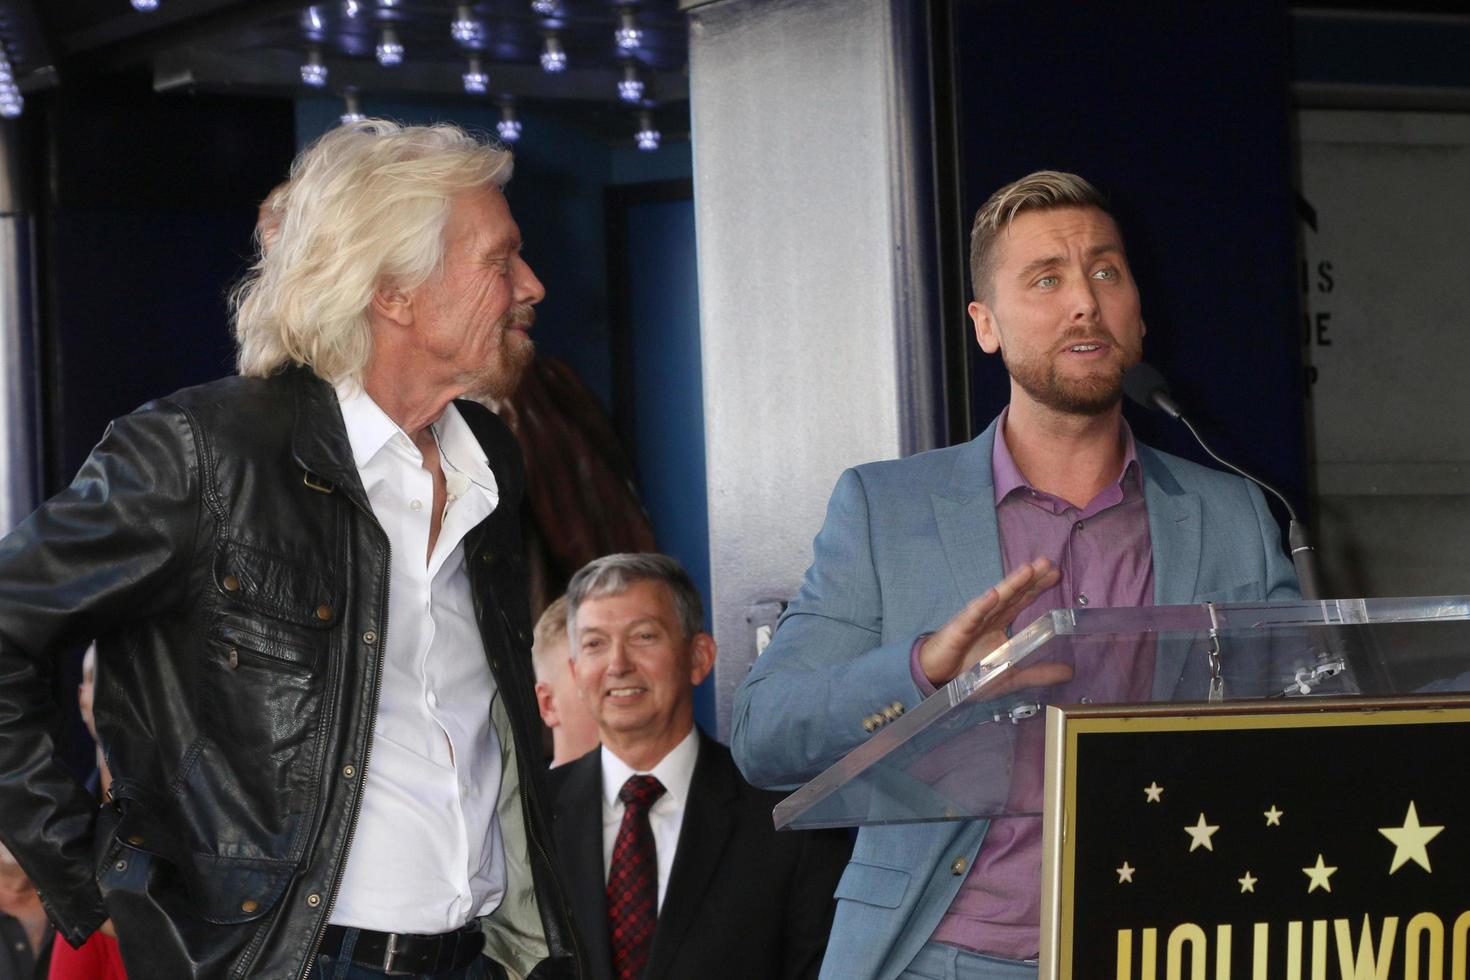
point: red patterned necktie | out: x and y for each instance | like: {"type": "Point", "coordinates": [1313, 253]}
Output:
{"type": "Point", "coordinates": [632, 880]}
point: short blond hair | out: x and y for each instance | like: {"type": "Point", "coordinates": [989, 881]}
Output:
{"type": "Point", "coordinates": [1042, 190]}
{"type": "Point", "coordinates": [366, 204]}
{"type": "Point", "coordinates": [551, 631]}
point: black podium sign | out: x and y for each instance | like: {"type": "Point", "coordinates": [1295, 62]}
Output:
{"type": "Point", "coordinates": [1311, 841]}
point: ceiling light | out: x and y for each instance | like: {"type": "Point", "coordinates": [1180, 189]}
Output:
{"type": "Point", "coordinates": [313, 72]}
{"type": "Point", "coordinates": [351, 7]}
{"type": "Point", "coordinates": [475, 80]}
{"type": "Point", "coordinates": [628, 36]}
{"type": "Point", "coordinates": [553, 58]}
{"type": "Point", "coordinates": [147, 6]}
{"type": "Point", "coordinates": [12, 103]}
{"type": "Point", "coordinates": [390, 51]}
{"type": "Point", "coordinates": [509, 126]}
{"type": "Point", "coordinates": [351, 107]}
{"type": "Point", "coordinates": [464, 28]}
{"type": "Point", "coordinates": [630, 86]}
{"type": "Point", "coordinates": [647, 137]}
{"type": "Point", "coordinates": [545, 8]}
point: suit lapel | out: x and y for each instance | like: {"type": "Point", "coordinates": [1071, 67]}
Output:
{"type": "Point", "coordinates": [964, 515]}
{"type": "Point", "coordinates": [708, 821]}
{"type": "Point", "coordinates": [1174, 528]}
{"type": "Point", "coordinates": [579, 839]}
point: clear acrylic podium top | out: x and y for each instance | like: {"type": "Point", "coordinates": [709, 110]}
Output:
{"type": "Point", "coordinates": [975, 748]}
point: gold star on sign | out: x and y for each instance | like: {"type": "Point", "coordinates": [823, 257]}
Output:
{"type": "Point", "coordinates": [1153, 791]}
{"type": "Point", "coordinates": [1318, 875]}
{"type": "Point", "coordinates": [1125, 873]}
{"type": "Point", "coordinates": [1273, 816]}
{"type": "Point", "coordinates": [1200, 834]}
{"type": "Point", "coordinates": [1247, 884]}
{"type": "Point", "coordinates": [1409, 841]}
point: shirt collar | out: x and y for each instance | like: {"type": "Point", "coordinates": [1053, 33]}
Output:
{"type": "Point", "coordinates": [1007, 475]}
{"type": "Point", "coordinates": [675, 770]}
{"type": "Point", "coordinates": [369, 429]}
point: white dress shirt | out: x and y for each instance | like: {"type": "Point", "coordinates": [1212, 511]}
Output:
{"type": "Point", "coordinates": [665, 817]}
{"type": "Point", "coordinates": [427, 855]}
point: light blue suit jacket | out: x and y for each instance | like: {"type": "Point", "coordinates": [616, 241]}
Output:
{"type": "Point", "coordinates": [905, 545]}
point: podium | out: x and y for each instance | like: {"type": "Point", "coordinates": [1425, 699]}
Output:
{"type": "Point", "coordinates": [1224, 791]}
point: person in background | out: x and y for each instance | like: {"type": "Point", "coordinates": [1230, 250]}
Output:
{"type": "Point", "coordinates": [25, 936]}
{"type": "Point", "coordinates": [573, 729]}
{"type": "Point", "coordinates": [675, 868]}
{"type": "Point", "coordinates": [99, 957]}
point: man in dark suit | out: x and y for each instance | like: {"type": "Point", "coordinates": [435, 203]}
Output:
{"type": "Point", "coordinates": [672, 864]}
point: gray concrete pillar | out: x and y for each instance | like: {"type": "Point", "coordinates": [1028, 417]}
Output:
{"type": "Point", "coordinates": [814, 214]}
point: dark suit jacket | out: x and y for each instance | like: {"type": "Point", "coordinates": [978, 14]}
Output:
{"type": "Point", "coordinates": [743, 900]}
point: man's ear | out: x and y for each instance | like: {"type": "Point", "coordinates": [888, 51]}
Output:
{"type": "Point", "coordinates": [393, 304]}
{"type": "Point", "coordinates": [546, 704]}
{"type": "Point", "coordinates": [701, 657]}
{"type": "Point", "coordinates": [986, 334]}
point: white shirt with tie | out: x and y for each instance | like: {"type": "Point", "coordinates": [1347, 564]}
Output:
{"type": "Point", "coordinates": [665, 818]}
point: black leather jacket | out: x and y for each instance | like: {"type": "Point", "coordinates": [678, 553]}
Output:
{"type": "Point", "coordinates": [220, 546]}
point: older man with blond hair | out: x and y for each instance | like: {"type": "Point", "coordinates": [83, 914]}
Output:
{"type": "Point", "coordinates": [313, 673]}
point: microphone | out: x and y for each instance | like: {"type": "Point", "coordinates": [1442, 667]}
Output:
{"type": "Point", "coordinates": [1146, 386]}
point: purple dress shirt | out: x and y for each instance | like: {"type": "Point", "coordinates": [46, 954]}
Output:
{"type": "Point", "coordinates": [1105, 559]}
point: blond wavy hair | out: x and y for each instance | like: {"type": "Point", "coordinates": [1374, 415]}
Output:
{"type": "Point", "coordinates": [366, 205]}
{"type": "Point", "coordinates": [1042, 190]}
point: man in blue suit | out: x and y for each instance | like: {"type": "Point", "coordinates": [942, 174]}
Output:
{"type": "Point", "coordinates": [1057, 504]}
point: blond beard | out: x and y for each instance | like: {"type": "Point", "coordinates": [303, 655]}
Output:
{"type": "Point", "coordinates": [499, 379]}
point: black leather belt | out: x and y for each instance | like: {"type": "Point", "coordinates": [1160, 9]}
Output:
{"type": "Point", "coordinates": [401, 953]}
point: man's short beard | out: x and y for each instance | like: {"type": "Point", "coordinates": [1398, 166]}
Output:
{"type": "Point", "coordinates": [499, 379]}
{"type": "Point", "coordinates": [1083, 397]}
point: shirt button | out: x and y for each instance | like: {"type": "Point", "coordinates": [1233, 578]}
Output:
{"type": "Point", "coordinates": [958, 866]}
{"type": "Point", "coordinates": [1078, 526]}
{"type": "Point", "coordinates": [1082, 598]}
{"type": "Point", "coordinates": [415, 505]}
{"type": "Point", "coordinates": [433, 698]}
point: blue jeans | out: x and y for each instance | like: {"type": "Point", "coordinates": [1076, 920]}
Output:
{"type": "Point", "coordinates": [341, 967]}
{"type": "Point", "coordinates": [936, 961]}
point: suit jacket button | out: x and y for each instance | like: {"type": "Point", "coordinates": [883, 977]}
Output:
{"type": "Point", "coordinates": [958, 867]}
{"type": "Point", "coordinates": [868, 725]}
{"type": "Point", "coordinates": [898, 707]}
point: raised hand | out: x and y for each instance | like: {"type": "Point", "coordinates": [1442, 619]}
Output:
{"type": "Point", "coordinates": [980, 627]}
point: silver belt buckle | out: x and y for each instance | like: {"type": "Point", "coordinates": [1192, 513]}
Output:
{"type": "Point", "coordinates": [388, 953]}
